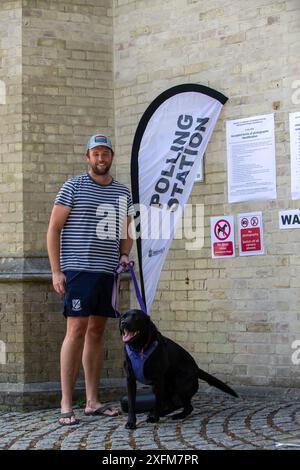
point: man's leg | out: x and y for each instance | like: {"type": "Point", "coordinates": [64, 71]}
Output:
{"type": "Point", "coordinates": [71, 355]}
{"type": "Point", "coordinates": [92, 361]}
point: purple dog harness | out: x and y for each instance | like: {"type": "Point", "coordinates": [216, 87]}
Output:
{"type": "Point", "coordinates": [138, 359]}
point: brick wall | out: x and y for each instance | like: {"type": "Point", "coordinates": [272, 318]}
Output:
{"type": "Point", "coordinates": [11, 333]}
{"type": "Point", "coordinates": [68, 96]}
{"type": "Point", "coordinates": [56, 61]}
{"type": "Point", "coordinates": [11, 197]}
{"type": "Point", "coordinates": [237, 317]}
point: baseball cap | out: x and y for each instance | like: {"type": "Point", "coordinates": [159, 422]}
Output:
{"type": "Point", "coordinates": [99, 139]}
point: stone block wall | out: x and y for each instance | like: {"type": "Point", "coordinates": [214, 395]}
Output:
{"type": "Point", "coordinates": [67, 96]}
{"type": "Point", "coordinates": [56, 61]}
{"type": "Point", "coordinates": [11, 333]}
{"type": "Point", "coordinates": [11, 184]}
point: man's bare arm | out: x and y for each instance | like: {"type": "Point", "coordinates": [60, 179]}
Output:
{"type": "Point", "coordinates": [58, 219]}
{"type": "Point", "coordinates": [126, 241]}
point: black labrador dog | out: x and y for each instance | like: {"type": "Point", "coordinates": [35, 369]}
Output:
{"type": "Point", "coordinates": [155, 360]}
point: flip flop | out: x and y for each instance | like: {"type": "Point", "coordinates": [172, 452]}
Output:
{"type": "Point", "coordinates": [69, 415]}
{"type": "Point", "coordinates": [101, 411]}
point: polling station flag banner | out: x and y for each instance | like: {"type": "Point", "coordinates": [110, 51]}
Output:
{"type": "Point", "coordinates": [167, 153]}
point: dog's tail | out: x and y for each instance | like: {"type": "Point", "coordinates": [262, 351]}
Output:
{"type": "Point", "coordinates": [213, 381]}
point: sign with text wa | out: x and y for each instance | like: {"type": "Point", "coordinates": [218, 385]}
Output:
{"type": "Point", "coordinates": [289, 219]}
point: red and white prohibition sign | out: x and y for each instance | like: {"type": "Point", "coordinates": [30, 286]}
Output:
{"type": "Point", "coordinates": [222, 229]}
{"type": "Point", "coordinates": [250, 229]}
{"type": "Point", "coordinates": [222, 237]}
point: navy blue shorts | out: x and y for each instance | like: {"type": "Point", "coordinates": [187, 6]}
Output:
{"type": "Point", "coordinates": [88, 294]}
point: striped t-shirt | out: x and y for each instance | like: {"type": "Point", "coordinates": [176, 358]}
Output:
{"type": "Point", "coordinates": [90, 238]}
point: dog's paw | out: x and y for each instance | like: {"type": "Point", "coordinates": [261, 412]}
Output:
{"type": "Point", "coordinates": [130, 425]}
{"type": "Point", "coordinates": [185, 412]}
{"type": "Point", "coordinates": [151, 418]}
{"type": "Point", "coordinates": [178, 416]}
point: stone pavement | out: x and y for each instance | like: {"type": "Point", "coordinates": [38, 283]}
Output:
{"type": "Point", "coordinates": [218, 422]}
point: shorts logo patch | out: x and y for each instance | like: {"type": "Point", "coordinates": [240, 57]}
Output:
{"type": "Point", "coordinates": [76, 305]}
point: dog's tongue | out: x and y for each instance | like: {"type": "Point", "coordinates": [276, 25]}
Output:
{"type": "Point", "coordinates": [128, 335]}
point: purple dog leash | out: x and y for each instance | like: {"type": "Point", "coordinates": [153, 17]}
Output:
{"type": "Point", "coordinates": [136, 286]}
{"type": "Point", "coordinates": [115, 293]}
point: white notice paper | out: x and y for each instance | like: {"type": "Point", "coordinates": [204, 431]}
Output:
{"type": "Point", "coordinates": [251, 159]}
{"type": "Point", "coordinates": [295, 154]}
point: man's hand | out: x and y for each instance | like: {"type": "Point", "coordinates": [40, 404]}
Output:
{"type": "Point", "coordinates": [59, 282]}
{"type": "Point", "coordinates": [124, 259]}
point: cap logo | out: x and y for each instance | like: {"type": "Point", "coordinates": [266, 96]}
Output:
{"type": "Point", "coordinates": [100, 138]}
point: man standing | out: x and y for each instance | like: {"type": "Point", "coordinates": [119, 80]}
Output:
{"type": "Point", "coordinates": [87, 237]}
